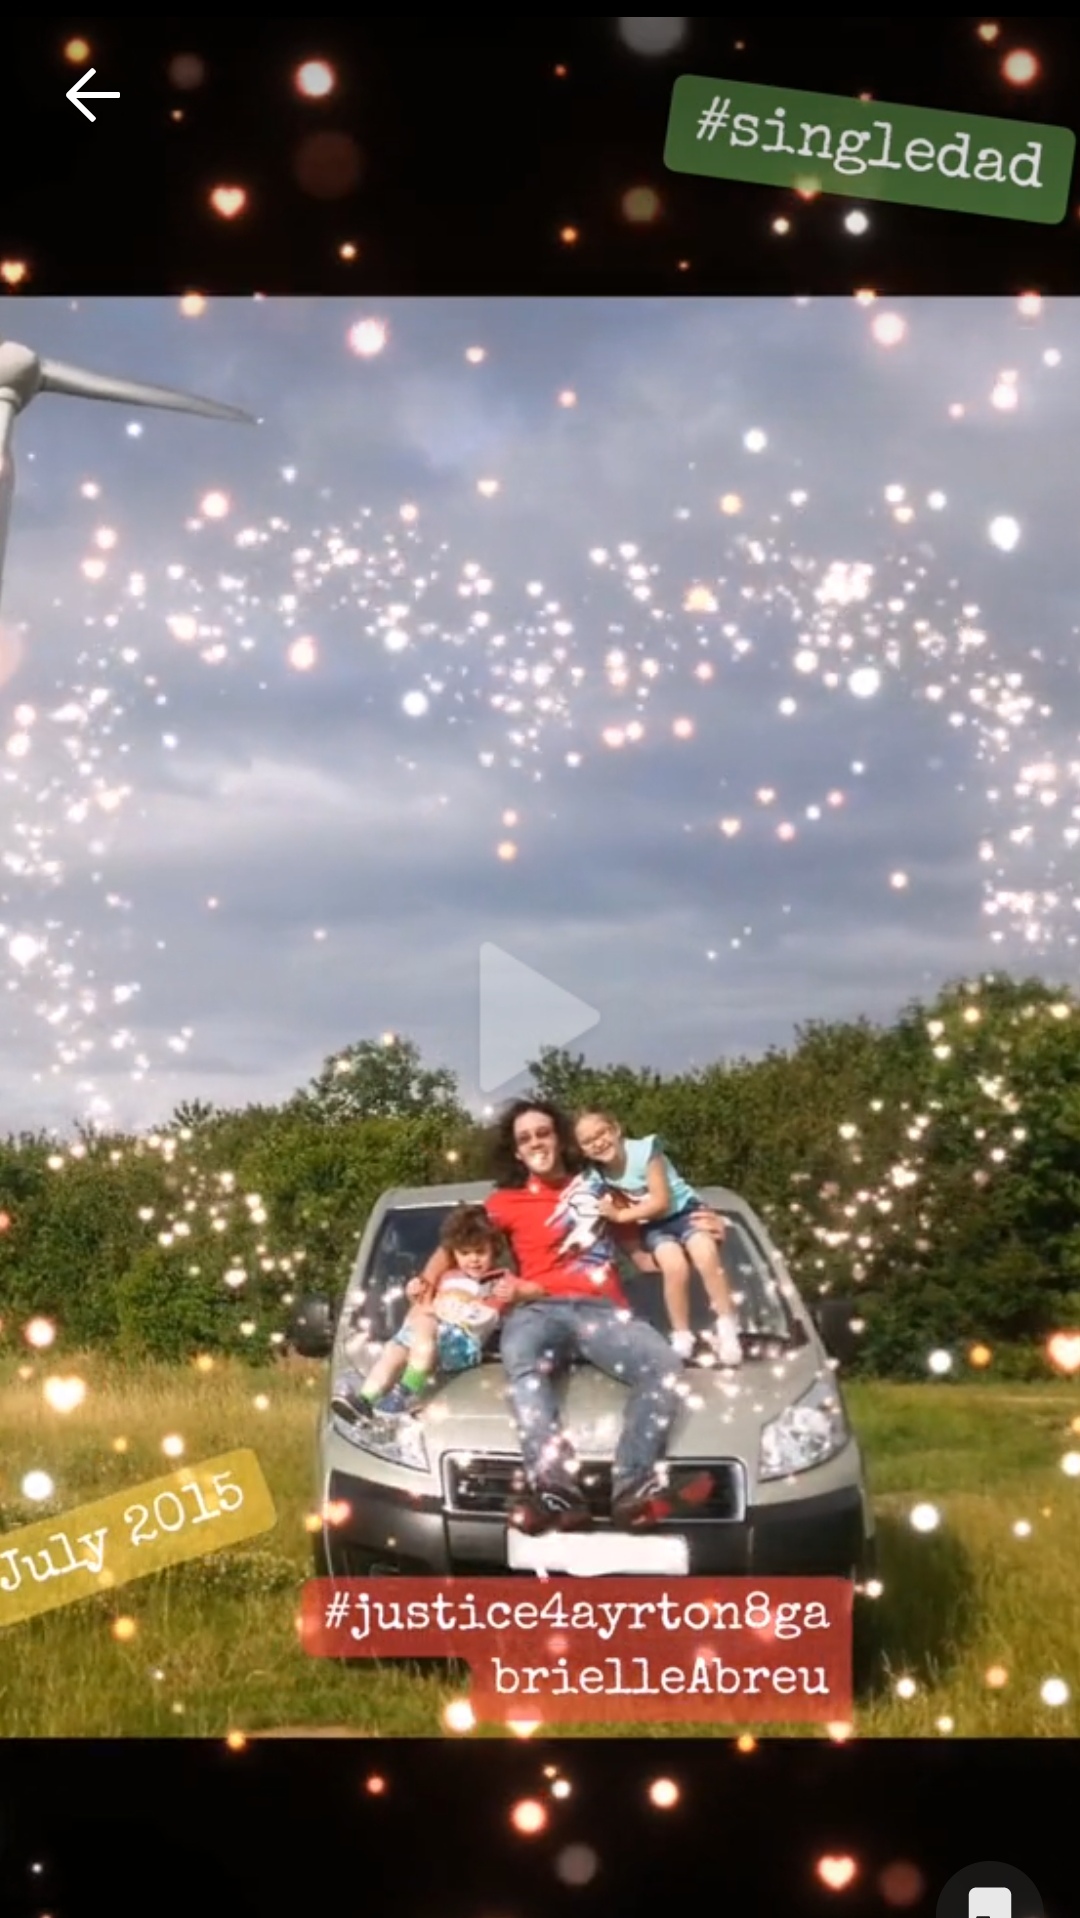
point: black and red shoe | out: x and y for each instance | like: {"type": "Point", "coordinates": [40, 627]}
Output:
{"type": "Point", "coordinates": [651, 1502]}
{"type": "Point", "coordinates": [550, 1508]}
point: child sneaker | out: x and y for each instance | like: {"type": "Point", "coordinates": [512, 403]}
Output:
{"type": "Point", "coordinates": [726, 1339]}
{"type": "Point", "coordinates": [397, 1403]}
{"type": "Point", "coordinates": [683, 1343]}
{"type": "Point", "coordinates": [348, 1403]}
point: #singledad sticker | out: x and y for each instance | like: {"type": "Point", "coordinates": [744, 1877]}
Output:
{"type": "Point", "coordinates": [913, 156]}
{"type": "Point", "coordinates": [200, 1509]}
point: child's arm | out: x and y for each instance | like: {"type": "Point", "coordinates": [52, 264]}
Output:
{"type": "Point", "coordinates": [657, 1202]}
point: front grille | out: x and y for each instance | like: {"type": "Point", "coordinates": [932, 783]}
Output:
{"type": "Point", "coordinates": [488, 1486]}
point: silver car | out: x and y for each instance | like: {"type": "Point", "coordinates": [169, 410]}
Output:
{"type": "Point", "coordinates": [430, 1493]}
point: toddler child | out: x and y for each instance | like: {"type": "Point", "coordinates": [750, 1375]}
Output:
{"type": "Point", "coordinates": [445, 1329]}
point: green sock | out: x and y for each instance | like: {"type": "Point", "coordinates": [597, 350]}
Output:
{"type": "Point", "coordinates": [413, 1380]}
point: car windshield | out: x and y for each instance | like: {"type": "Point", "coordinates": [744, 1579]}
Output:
{"type": "Point", "coordinates": [410, 1234]}
{"type": "Point", "coordinates": [407, 1238]}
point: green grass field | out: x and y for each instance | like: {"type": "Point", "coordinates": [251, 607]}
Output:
{"type": "Point", "coordinates": [215, 1650]}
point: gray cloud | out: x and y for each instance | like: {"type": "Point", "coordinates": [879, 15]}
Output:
{"type": "Point", "coordinates": [352, 848]}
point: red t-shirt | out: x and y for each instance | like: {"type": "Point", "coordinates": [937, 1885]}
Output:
{"type": "Point", "coordinates": [557, 1238]}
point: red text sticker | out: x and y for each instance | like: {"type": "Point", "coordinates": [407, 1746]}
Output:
{"type": "Point", "coordinates": [604, 1650]}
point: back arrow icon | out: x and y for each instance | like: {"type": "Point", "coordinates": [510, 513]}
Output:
{"type": "Point", "coordinates": [77, 97]}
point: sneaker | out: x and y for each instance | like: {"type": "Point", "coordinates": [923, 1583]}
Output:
{"type": "Point", "coordinates": [727, 1341]}
{"type": "Point", "coordinates": [350, 1405]}
{"type": "Point", "coordinates": [550, 1508]}
{"type": "Point", "coordinates": [651, 1501]}
{"type": "Point", "coordinates": [647, 1502]}
{"type": "Point", "coordinates": [397, 1403]}
{"type": "Point", "coordinates": [683, 1344]}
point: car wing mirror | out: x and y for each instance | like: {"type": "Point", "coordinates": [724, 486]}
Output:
{"type": "Point", "coordinates": [840, 1328]}
{"type": "Point", "coordinates": [311, 1327]}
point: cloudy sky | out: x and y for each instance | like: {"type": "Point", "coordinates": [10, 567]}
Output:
{"type": "Point", "coordinates": [714, 660]}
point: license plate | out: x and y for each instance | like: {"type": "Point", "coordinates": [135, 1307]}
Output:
{"type": "Point", "coordinates": [595, 1554]}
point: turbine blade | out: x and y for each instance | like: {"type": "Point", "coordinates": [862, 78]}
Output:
{"type": "Point", "coordinates": [81, 385]}
{"type": "Point", "coordinates": [7, 478]}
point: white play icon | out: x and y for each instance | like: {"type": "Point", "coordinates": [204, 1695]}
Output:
{"type": "Point", "coordinates": [522, 1014]}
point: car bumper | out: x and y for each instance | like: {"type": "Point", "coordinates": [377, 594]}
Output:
{"type": "Point", "coordinates": [824, 1535]}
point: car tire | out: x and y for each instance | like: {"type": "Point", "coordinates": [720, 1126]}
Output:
{"type": "Point", "coordinates": [354, 1561]}
{"type": "Point", "coordinates": [331, 1560]}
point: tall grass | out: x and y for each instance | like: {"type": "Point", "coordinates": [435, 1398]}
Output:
{"type": "Point", "coordinates": [975, 1616]}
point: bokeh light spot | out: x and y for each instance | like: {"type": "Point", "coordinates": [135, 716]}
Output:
{"type": "Point", "coordinates": [328, 166]}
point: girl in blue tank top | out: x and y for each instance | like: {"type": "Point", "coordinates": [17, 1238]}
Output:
{"type": "Point", "coordinates": [646, 1190]}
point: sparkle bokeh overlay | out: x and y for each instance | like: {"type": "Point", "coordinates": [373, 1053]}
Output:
{"type": "Point", "coordinates": [339, 155]}
{"type": "Point", "coordinates": [609, 1829]}
{"type": "Point", "coordinates": [293, 164]}
{"type": "Point", "coordinates": [436, 616]}
{"type": "Point", "coordinates": [433, 586]}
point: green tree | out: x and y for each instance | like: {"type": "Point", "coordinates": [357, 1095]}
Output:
{"type": "Point", "coordinates": [168, 1312]}
{"type": "Point", "coordinates": [192, 1114]}
{"type": "Point", "coordinates": [930, 1168]}
{"type": "Point", "coordinates": [380, 1079]}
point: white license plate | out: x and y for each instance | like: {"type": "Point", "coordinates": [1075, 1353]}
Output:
{"type": "Point", "coordinates": [595, 1554]}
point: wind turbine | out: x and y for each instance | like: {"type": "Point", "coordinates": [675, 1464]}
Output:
{"type": "Point", "coordinates": [23, 376]}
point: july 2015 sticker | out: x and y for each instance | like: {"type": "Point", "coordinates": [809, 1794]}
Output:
{"type": "Point", "coordinates": [166, 1521]}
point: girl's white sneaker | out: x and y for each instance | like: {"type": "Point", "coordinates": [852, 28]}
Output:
{"type": "Point", "coordinates": [727, 1341]}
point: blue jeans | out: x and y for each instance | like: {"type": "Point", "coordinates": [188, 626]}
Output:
{"type": "Point", "coordinates": [539, 1340]}
{"type": "Point", "coordinates": [678, 1228]}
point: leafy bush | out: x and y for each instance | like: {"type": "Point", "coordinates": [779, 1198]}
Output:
{"type": "Point", "coordinates": [930, 1170]}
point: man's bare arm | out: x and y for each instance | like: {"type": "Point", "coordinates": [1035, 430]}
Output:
{"type": "Point", "coordinates": [434, 1271]}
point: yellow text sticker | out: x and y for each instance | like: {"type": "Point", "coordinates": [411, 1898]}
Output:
{"type": "Point", "coordinates": [203, 1508]}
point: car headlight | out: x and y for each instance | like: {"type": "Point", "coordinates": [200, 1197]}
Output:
{"type": "Point", "coordinates": [808, 1433]}
{"type": "Point", "coordinates": [399, 1441]}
